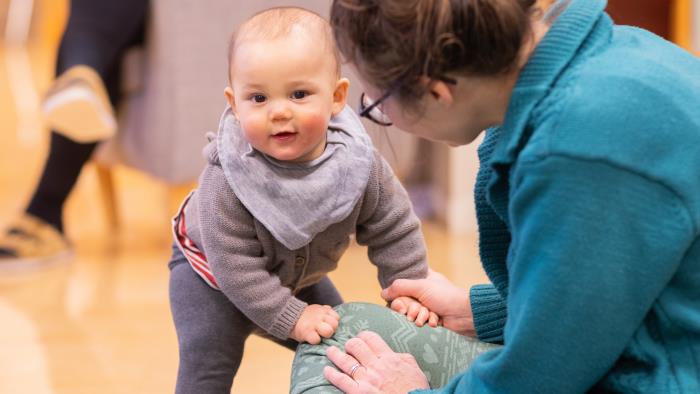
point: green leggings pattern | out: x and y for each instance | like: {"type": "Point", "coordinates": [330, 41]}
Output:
{"type": "Point", "coordinates": [440, 353]}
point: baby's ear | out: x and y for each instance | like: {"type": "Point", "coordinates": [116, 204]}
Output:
{"type": "Point", "coordinates": [340, 95]}
{"type": "Point", "coordinates": [228, 93]}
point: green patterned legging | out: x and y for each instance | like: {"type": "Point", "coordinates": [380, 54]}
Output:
{"type": "Point", "coordinates": [440, 353]}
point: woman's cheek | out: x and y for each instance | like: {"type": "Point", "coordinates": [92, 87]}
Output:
{"type": "Point", "coordinates": [406, 121]}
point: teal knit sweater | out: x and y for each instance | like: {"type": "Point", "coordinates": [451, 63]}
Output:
{"type": "Point", "coordinates": [588, 202]}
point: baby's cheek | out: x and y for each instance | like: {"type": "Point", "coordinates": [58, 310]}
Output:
{"type": "Point", "coordinates": [315, 122]}
{"type": "Point", "coordinates": [254, 129]}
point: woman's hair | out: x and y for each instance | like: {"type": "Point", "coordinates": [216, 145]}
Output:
{"type": "Point", "coordinates": [394, 42]}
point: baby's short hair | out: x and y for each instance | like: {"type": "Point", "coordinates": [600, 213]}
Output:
{"type": "Point", "coordinates": [279, 21]}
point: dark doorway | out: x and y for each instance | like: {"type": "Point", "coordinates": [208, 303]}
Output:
{"type": "Point", "coordinates": [653, 15]}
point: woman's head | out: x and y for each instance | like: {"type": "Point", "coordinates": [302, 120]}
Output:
{"type": "Point", "coordinates": [409, 47]}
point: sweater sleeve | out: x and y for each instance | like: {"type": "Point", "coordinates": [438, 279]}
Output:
{"type": "Point", "coordinates": [593, 247]}
{"type": "Point", "coordinates": [390, 228]}
{"type": "Point", "coordinates": [237, 261]}
{"type": "Point", "coordinates": [489, 312]}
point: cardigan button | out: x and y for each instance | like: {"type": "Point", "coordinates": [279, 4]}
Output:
{"type": "Point", "coordinates": [299, 261]}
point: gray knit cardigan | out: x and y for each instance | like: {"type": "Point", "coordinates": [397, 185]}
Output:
{"type": "Point", "coordinates": [261, 276]}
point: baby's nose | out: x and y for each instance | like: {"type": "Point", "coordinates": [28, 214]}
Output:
{"type": "Point", "coordinates": [280, 111]}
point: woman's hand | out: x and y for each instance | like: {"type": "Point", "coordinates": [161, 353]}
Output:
{"type": "Point", "coordinates": [440, 296]}
{"type": "Point", "coordinates": [370, 366]}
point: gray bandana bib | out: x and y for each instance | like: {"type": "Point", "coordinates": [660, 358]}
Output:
{"type": "Point", "coordinates": [296, 201]}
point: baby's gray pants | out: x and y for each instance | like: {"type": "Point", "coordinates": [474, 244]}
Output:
{"type": "Point", "coordinates": [211, 331]}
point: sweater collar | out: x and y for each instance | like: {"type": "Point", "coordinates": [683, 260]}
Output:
{"type": "Point", "coordinates": [558, 48]}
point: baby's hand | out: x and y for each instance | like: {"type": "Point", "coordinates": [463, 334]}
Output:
{"type": "Point", "coordinates": [315, 322]}
{"type": "Point", "coordinates": [415, 311]}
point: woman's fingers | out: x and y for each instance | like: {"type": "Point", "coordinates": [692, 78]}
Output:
{"type": "Point", "coordinates": [374, 342]}
{"type": "Point", "coordinates": [340, 380]}
{"type": "Point", "coordinates": [360, 350]}
{"type": "Point", "coordinates": [401, 370]}
{"type": "Point", "coordinates": [404, 287]}
{"type": "Point", "coordinates": [340, 359]}
{"type": "Point", "coordinates": [345, 362]}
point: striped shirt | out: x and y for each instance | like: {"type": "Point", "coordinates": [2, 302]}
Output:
{"type": "Point", "coordinates": [196, 258]}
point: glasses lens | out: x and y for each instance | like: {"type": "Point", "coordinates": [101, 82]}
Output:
{"type": "Point", "coordinates": [376, 113]}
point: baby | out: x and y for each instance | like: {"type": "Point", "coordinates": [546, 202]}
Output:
{"type": "Point", "coordinates": [291, 175]}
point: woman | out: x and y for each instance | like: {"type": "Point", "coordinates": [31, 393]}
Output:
{"type": "Point", "coordinates": [587, 197]}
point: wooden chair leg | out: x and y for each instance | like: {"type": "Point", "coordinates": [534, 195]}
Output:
{"type": "Point", "coordinates": [105, 179]}
{"type": "Point", "coordinates": [176, 195]}
{"type": "Point", "coordinates": [681, 23]}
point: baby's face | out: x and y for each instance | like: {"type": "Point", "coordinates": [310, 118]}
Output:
{"type": "Point", "coordinates": [284, 92]}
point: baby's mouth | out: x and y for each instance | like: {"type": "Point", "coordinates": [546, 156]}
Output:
{"type": "Point", "coordinates": [284, 135]}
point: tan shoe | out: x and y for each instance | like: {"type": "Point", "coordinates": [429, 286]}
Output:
{"type": "Point", "coordinates": [77, 106]}
{"type": "Point", "coordinates": [31, 242]}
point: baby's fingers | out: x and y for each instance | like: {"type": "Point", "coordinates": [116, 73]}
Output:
{"type": "Point", "coordinates": [399, 305]}
{"type": "Point", "coordinates": [330, 311]}
{"type": "Point", "coordinates": [331, 321]}
{"type": "Point", "coordinates": [433, 320]}
{"type": "Point", "coordinates": [313, 338]}
{"type": "Point", "coordinates": [325, 330]}
{"type": "Point", "coordinates": [423, 315]}
{"type": "Point", "coordinates": [413, 311]}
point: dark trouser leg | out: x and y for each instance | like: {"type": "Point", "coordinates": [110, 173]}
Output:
{"type": "Point", "coordinates": [97, 34]}
{"type": "Point", "coordinates": [66, 159]}
{"type": "Point", "coordinates": [98, 31]}
{"type": "Point", "coordinates": [211, 331]}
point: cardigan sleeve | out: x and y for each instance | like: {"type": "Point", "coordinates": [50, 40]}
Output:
{"type": "Point", "coordinates": [390, 228]}
{"type": "Point", "coordinates": [594, 245]}
{"type": "Point", "coordinates": [489, 312]}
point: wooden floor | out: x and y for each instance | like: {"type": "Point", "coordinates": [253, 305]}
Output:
{"type": "Point", "coordinates": [99, 322]}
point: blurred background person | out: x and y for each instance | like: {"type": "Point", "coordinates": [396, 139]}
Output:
{"type": "Point", "coordinates": [79, 108]}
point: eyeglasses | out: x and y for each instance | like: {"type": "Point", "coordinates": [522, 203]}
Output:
{"type": "Point", "coordinates": [371, 109]}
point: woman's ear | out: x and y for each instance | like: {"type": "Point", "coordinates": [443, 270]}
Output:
{"type": "Point", "coordinates": [340, 95]}
{"type": "Point", "coordinates": [439, 90]}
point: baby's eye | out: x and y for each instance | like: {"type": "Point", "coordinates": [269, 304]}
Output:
{"type": "Point", "coordinates": [258, 98]}
{"type": "Point", "coordinates": [299, 94]}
